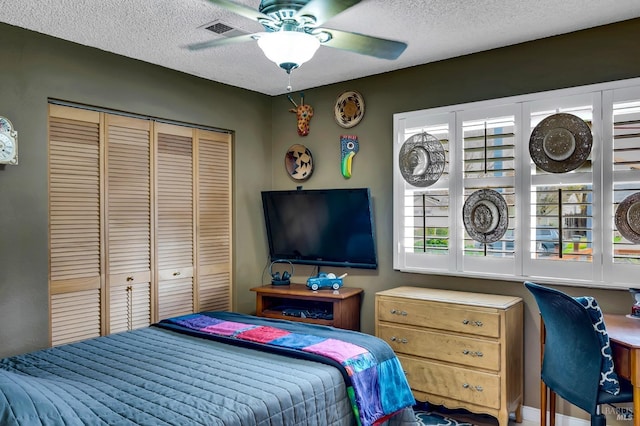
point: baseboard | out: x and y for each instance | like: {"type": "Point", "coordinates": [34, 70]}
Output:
{"type": "Point", "coordinates": [530, 414]}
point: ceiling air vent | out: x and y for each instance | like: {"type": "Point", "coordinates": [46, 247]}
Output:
{"type": "Point", "coordinates": [223, 29]}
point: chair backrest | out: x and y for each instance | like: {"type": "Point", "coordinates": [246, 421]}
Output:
{"type": "Point", "coordinates": [572, 355]}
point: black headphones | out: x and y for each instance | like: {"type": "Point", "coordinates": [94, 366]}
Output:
{"type": "Point", "coordinates": [276, 279]}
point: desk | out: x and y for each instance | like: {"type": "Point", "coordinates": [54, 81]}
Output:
{"type": "Point", "coordinates": [624, 334]}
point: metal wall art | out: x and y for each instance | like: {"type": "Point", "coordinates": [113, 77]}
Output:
{"type": "Point", "coordinates": [485, 216]}
{"type": "Point", "coordinates": [560, 143]}
{"type": "Point", "coordinates": [422, 160]}
{"type": "Point", "coordinates": [627, 218]}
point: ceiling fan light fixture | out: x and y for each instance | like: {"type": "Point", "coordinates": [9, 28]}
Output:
{"type": "Point", "coordinates": [288, 49]}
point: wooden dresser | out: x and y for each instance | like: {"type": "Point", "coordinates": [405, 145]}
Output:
{"type": "Point", "coordinates": [458, 349]}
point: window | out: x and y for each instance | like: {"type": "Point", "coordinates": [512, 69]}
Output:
{"type": "Point", "coordinates": [561, 223]}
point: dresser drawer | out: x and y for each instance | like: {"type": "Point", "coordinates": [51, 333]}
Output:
{"type": "Point", "coordinates": [471, 320]}
{"type": "Point", "coordinates": [469, 351]}
{"type": "Point", "coordinates": [457, 383]}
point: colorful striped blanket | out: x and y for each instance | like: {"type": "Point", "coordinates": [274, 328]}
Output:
{"type": "Point", "coordinates": [375, 381]}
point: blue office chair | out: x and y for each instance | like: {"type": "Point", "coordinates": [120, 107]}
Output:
{"type": "Point", "coordinates": [572, 359]}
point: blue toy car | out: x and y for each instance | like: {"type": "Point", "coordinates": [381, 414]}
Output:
{"type": "Point", "coordinates": [324, 281]}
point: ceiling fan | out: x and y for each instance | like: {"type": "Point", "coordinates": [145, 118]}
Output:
{"type": "Point", "coordinates": [292, 31]}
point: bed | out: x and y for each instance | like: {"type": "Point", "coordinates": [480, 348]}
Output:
{"type": "Point", "coordinates": [211, 368]}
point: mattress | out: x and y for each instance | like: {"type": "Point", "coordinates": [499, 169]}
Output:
{"type": "Point", "coordinates": [158, 376]}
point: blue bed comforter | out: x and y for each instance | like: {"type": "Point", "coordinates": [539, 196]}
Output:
{"type": "Point", "coordinates": [376, 382]}
{"type": "Point", "coordinates": [157, 376]}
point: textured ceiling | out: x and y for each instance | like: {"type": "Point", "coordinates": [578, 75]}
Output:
{"type": "Point", "coordinates": [157, 31]}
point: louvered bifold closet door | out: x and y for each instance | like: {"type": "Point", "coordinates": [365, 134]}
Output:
{"type": "Point", "coordinates": [74, 224]}
{"type": "Point", "coordinates": [214, 220]}
{"type": "Point", "coordinates": [175, 220]}
{"type": "Point", "coordinates": [128, 222]}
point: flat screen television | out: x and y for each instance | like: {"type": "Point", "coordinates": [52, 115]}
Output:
{"type": "Point", "coordinates": [324, 227]}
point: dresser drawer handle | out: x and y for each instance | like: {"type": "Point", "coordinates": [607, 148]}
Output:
{"type": "Point", "coordinates": [472, 353]}
{"type": "Point", "coordinates": [396, 339]}
{"type": "Point", "coordinates": [397, 312]}
{"type": "Point", "coordinates": [468, 386]}
{"type": "Point", "coordinates": [476, 323]}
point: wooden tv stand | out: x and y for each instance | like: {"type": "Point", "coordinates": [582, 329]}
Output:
{"type": "Point", "coordinates": [337, 308]}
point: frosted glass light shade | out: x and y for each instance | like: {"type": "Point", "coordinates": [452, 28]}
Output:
{"type": "Point", "coordinates": [288, 49]}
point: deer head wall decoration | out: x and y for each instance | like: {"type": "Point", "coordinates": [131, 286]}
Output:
{"type": "Point", "coordinates": [303, 114]}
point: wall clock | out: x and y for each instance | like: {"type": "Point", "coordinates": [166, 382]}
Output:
{"type": "Point", "coordinates": [8, 142]}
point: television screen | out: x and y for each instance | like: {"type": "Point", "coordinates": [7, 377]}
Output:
{"type": "Point", "coordinates": [332, 227]}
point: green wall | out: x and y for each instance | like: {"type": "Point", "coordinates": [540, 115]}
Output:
{"type": "Point", "coordinates": [37, 67]}
{"type": "Point", "coordinates": [587, 57]}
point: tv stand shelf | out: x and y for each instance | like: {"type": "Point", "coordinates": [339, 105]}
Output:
{"type": "Point", "coordinates": [337, 308]}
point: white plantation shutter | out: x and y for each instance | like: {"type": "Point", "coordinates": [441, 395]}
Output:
{"type": "Point", "coordinates": [489, 162]}
{"type": "Point", "coordinates": [561, 225]}
{"type": "Point", "coordinates": [622, 131]}
{"type": "Point", "coordinates": [424, 220]}
{"type": "Point", "coordinates": [488, 141]}
{"type": "Point", "coordinates": [561, 222]}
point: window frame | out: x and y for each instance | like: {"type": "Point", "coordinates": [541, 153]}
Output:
{"type": "Point", "coordinates": [521, 266]}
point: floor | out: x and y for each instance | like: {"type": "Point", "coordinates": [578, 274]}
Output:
{"type": "Point", "coordinates": [483, 421]}
{"type": "Point", "coordinates": [479, 420]}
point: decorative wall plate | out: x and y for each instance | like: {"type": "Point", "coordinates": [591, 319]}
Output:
{"type": "Point", "coordinates": [421, 160]}
{"type": "Point", "coordinates": [349, 108]}
{"type": "Point", "coordinates": [560, 143]}
{"type": "Point", "coordinates": [627, 218]}
{"type": "Point", "coordinates": [299, 162]}
{"type": "Point", "coordinates": [485, 216]}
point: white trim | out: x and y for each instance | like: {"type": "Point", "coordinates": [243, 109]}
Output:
{"type": "Point", "coordinates": [530, 414]}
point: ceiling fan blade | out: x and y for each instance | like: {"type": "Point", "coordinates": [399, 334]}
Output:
{"type": "Point", "coordinates": [323, 10]}
{"type": "Point", "coordinates": [363, 44]}
{"type": "Point", "coordinates": [239, 9]}
{"type": "Point", "coordinates": [223, 41]}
